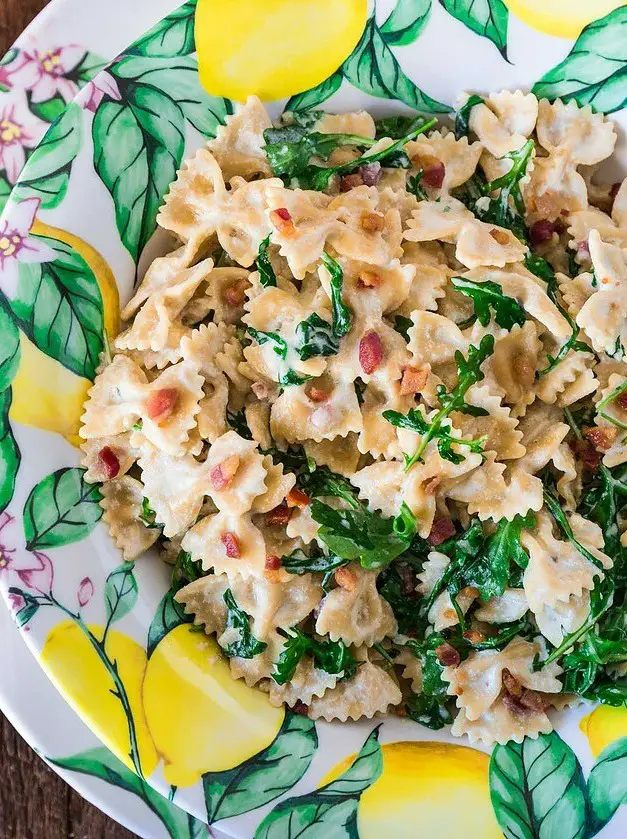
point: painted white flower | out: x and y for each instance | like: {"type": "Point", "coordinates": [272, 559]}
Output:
{"type": "Point", "coordinates": [44, 72]}
{"type": "Point", "coordinates": [19, 130]}
{"type": "Point", "coordinates": [17, 245]}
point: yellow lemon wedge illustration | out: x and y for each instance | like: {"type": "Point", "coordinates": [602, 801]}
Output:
{"type": "Point", "coordinates": [46, 394]}
{"type": "Point", "coordinates": [200, 718]}
{"type": "Point", "coordinates": [604, 725]}
{"type": "Point", "coordinates": [277, 48]}
{"type": "Point", "coordinates": [565, 18]}
{"type": "Point", "coordinates": [435, 790]}
{"type": "Point", "coordinates": [79, 673]}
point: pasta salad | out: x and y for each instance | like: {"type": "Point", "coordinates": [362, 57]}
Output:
{"type": "Point", "coordinates": [373, 410]}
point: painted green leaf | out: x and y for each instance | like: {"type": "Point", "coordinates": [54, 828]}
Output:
{"type": "Point", "coordinates": [406, 22]}
{"type": "Point", "coordinates": [5, 191]}
{"type": "Point", "coordinates": [169, 615]}
{"type": "Point", "coordinates": [487, 18]}
{"type": "Point", "coordinates": [100, 763]}
{"type": "Point", "coordinates": [138, 146]}
{"type": "Point", "coordinates": [120, 592]}
{"type": "Point", "coordinates": [9, 346]}
{"type": "Point", "coordinates": [315, 95]}
{"type": "Point", "coordinates": [61, 509]}
{"type": "Point", "coordinates": [47, 172]}
{"type": "Point", "coordinates": [607, 784]}
{"type": "Point", "coordinates": [9, 452]}
{"type": "Point", "coordinates": [538, 790]}
{"type": "Point", "coordinates": [373, 68]}
{"type": "Point", "coordinates": [178, 78]}
{"type": "Point", "coordinates": [330, 811]}
{"type": "Point", "coordinates": [172, 36]}
{"type": "Point", "coordinates": [9, 56]}
{"type": "Point", "coordinates": [60, 308]}
{"type": "Point", "coordinates": [595, 70]}
{"type": "Point", "coordinates": [89, 66]}
{"type": "Point", "coordinates": [49, 110]}
{"type": "Point", "coordinates": [265, 776]}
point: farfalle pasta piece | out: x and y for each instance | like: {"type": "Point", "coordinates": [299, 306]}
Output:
{"type": "Point", "coordinates": [122, 395]}
{"type": "Point", "coordinates": [570, 377]}
{"type": "Point", "coordinates": [505, 121]}
{"type": "Point", "coordinates": [372, 289]}
{"type": "Point", "coordinates": [583, 222]}
{"type": "Point", "coordinates": [122, 504]}
{"type": "Point", "coordinates": [587, 137]}
{"type": "Point", "coordinates": [340, 454]}
{"type": "Point", "coordinates": [459, 157]}
{"type": "Point", "coordinates": [563, 617]}
{"type": "Point", "coordinates": [499, 724]}
{"type": "Point", "coordinates": [204, 599]}
{"type": "Point", "coordinates": [227, 543]}
{"type": "Point", "coordinates": [363, 231]}
{"type": "Point", "coordinates": [411, 668]}
{"type": "Point", "coordinates": [274, 605]}
{"type": "Point", "coordinates": [306, 683]}
{"type": "Point", "coordinates": [442, 613]}
{"type": "Point", "coordinates": [508, 607]}
{"type": "Point", "coordinates": [222, 296]}
{"type": "Point", "coordinates": [370, 691]}
{"type": "Point", "coordinates": [355, 612]}
{"type": "Point", "coordinates": [295, 416]}
{"type": "Point", "coordinates": [499, 427]}
{"type": "Point", "coordinates": [239, 144]}
{"type": "Point", "coordinates": [278, 484]}
{"type": "Point", "coordinates": [612, 416]}
{"type": "Point", "coordinates": [556, 569]}
{"type": "Point", "coordinates": [259, 667]}
{"type": "Point", "coordinates": [426, 290]}
{"type": "Point", "coordinates": [237, 473]}
{"type": "Point", "coordinates": [97, 469]}
{"type": "Point", "coordinates": [608, 261]}
{"type": "Point", "coordinates": [554, 186]}
{"type": "Point", "coordinates": [442, 219]}
{"type": "Point", "coordinates": [372, 351]}
{"type": "Point", "coordinates": [434, 339]}
{"type": "Point", "coordinates": [378, 437]}
{"type": "Point", "coordinates": [542, 434]}
{"type": "Point", "coordinates": [577, 291]}
{"type": "Point", "coordinates": [351, 122]}
{"type": "Point", "coordinates": [511, 369]}
{"type": "Point", "coordinates": [479, 243]}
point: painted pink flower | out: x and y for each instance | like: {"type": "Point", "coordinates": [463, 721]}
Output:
{"type": "Point", "coordinates": [19, 130]}
{"type": "Point", "coordinates": [40, 576]}
{"type": "Point", "coordinates": [94, 91]}
{"type": "Point", "coordinates": [85, 592]}
{"type": "Point", "coordinates": [44, 73]}
{"type": "Point", "coordinates": [16, 245]}
{"type": "Point", "coordinates": [33, 569]}
{"type": "Point", "coordinates": [16, 602]}
{"type": "Point", "coordinates": [5, 79]}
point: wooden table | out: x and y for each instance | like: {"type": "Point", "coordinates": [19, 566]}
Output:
{"type": "Point", "coordinates": [34, 802]}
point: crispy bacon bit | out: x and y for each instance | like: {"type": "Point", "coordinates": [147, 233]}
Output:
{"type": "Point", "coordinates": [413, 380]}
{"type": "Point", "coordinates": [621, 400]}
{"type": "Point", "coordinates": [433, 176]}
{"type": "Point", "coordinates": [348, 182]}
{"type": "Point", "coordinates": [368, 279]}
{"type": "Point", "coordinates": [273, 562]}
{"type": "Point", "coordinates": [370, 352]}
{"type": "Point", "coordinates": [235, 295]}
{"type": "Point", "coordinates": [282, 220]}
{"type": "Point", "coordinates": [447, 655]}
{"type": "Point", "coordinates": [533, 701]}
{"type": "Point", "coordinates": [511, 684]}
{"type": "Point", "coordinates": [372, 222]}
{"type": "Point", "coordinates": [109, 462]}
{"type": "Point", "coordinates": [408, 581]}
{"type": "Point", "coordinates": [297, 498]}
{"type": "Point", "coordinates": [582, 248]}
{"type": "Point", "coordinates": [543, 230]}
{"type": "Point", "coordinates": [316, 394]}
{"type": "Point", "coordinates": [300, 708]}
{"type": "Point", "coordinates": [474, 636]}
{"type": "Point", "coordinates": [231, 545]}
{"type": "Point", "coordinates": [588, 455]}
{"type": "Point", "coordinates": [370, 173]}
{"type": "Point", "coordinates": [601, 438]}
{"type": "Point", "coordinates": [431, 484]}
{"type": "Point", "coordinates": [442, 530]}
{"type": "Point", "coordinates": [279, 516]}
{"type": "Point", "coordinates": [161, 403]}
{"type": "Point", "coordinates": [346, 578]}
{"type": "Point", "coordinates": [499, 236]}
{"type": "Point", "coordinates": [221, 476]}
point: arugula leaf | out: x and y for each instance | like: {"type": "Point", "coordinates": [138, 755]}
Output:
{"type": "Point", "coordinates": [463, 548]}
{"type": "Point", "coordinates": [267, 277]}
{"type": "Point", "coordinates": [331, 656]}
{"type": "Point", "coordinates": [462, 117]}
{"type": "Point", "coordinates": [487, 295]}
{"type": "Point", "coordinates": [290, 147]}
{"type": "Point", "coordinates": [558, 514]}
{"type": "Point", "coordinates": [402, 324]}
{"type": "Point", "coordinates": [469, 372]}
{"type": "Point", "coordinates": [490, 573]}
{"type": "Point", "coordinates": [314, 337]}
{"type": "Point", "coordinates": [610, 398]}
{"type": "Point", "coordinates": [541, 268]}
{"type": "Point", "coordinates": [280, 346]}
{"type": "Point", "coordinates": [500, 210]}
{"type": "Point", "coordinates": [293, 378]}
{"type": "Point", "coordinates": [247, 646]}
{"type": "Point", "coordinates": [415, 187]}
{"type": "Point", "coordinates": [299, 563]}
{"type": "Point", "coordinates": [396, 127]}
{"type": "Point", "coordinates": [342, 314]}
{"type": "Point", "coordinates": [148, 516]}
{"type": "Point", "coordinates": [186, 570]}
{"type": "Point", "coordinates": [359, 534]}
{"type": "Point", "coordinates": [237, 421]}
{"type": "Point", "coordinates": [397, 584]}
{"type": "Point", "coordinates": [429, 708]}
{"type": "Point", "coordinates": [306, 119]}
{"type": "Point", "coordinates": [322, 482]}
{"type": "Point", "coordinates": [428, 711]}
{"type": "Point", "coordinates": [415, 421]}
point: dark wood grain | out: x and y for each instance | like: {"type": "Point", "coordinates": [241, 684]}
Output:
{"type": "Point", "coordinates": [34, 802]}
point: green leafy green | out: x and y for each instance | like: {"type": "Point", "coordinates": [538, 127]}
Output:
{"type": "Point", "coordinates": [488, 295]}
{"type": "Point", "coordinates": [186, 569]}
{"type": "Point", "coordinates": [292, 378]}
{"type": "Point", "coordinates": [402, 325]}
{"type": "Point", "coordinates": [415, 187]}
{"type": "Point", "coordinates": [359, 534]}
{"type": "Point", "coordinates": [487, 18]}
{"type": "Point", "coordinates": [490, 572]}
{"type": "Point", "coordinates": [430, 707]}
{"type": "Point", "coordinates": [342, 314]}
{"type": "Point", "coordinates": [395, 127]}
{"type": "Point", "coordinates": [148, 515]}
{"type": "Point", "coordinates": [462, 117]}
{"type": "Point", "coordinates": [538, 789]}
{"type": "Point", "coordinates": [558, 514]}
{"type": "Point", "coordinates": [428, 711]}
{"type": "Point", "coordinates": [405, 23]}
{"type": "Point", "coordinates": [264, 776]}
{"type": "Point", "coordinates": [247, 646]}
{"type": "Point", "coordinates": [267, 277]}
{"type": "Point", "coordinates": [279, 345]}
{"type": "Point", "coordinates": [290, 147]}
{"type": "Point", "coordinates": [397, 584]}
{"type": "Point", "coordinates": [299, 563]}
{"type": "Point", "coordinates": [507, 209]}
{"type": "Point", "coordinates": [594, 71]}
{"type": "Point", "coordinates": [331, 656]}
{"type": "Point", "coordinates": [322, 482]}
{"type": "Point", "coordinates": [315, 337]}
{"type": "Point", "coordinates": [237, 421]}
{"type": "Point", "coordinates": [415, 421]}
{"type": "Point", "coordinates": [62, 508]}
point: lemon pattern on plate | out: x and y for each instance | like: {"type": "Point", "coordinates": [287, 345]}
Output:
{"type": "Point", "coordinates": [565, 18]}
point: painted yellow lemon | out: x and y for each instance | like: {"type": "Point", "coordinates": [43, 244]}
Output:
{"type": "Point", "coordinates": [45, 394]}
{"type": "Point", "coordinates": [565, 18]}
{"type": "Point", "coordinates": [75, 667]}
{"type": "Point", "coordinates": [200, 718]}
{"type": "Point", "coordinates": [275, 48]}
{"type": "Point", "coordinates": [604, 725]}
{"type": "Point", "coordinates": [434, 790]}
